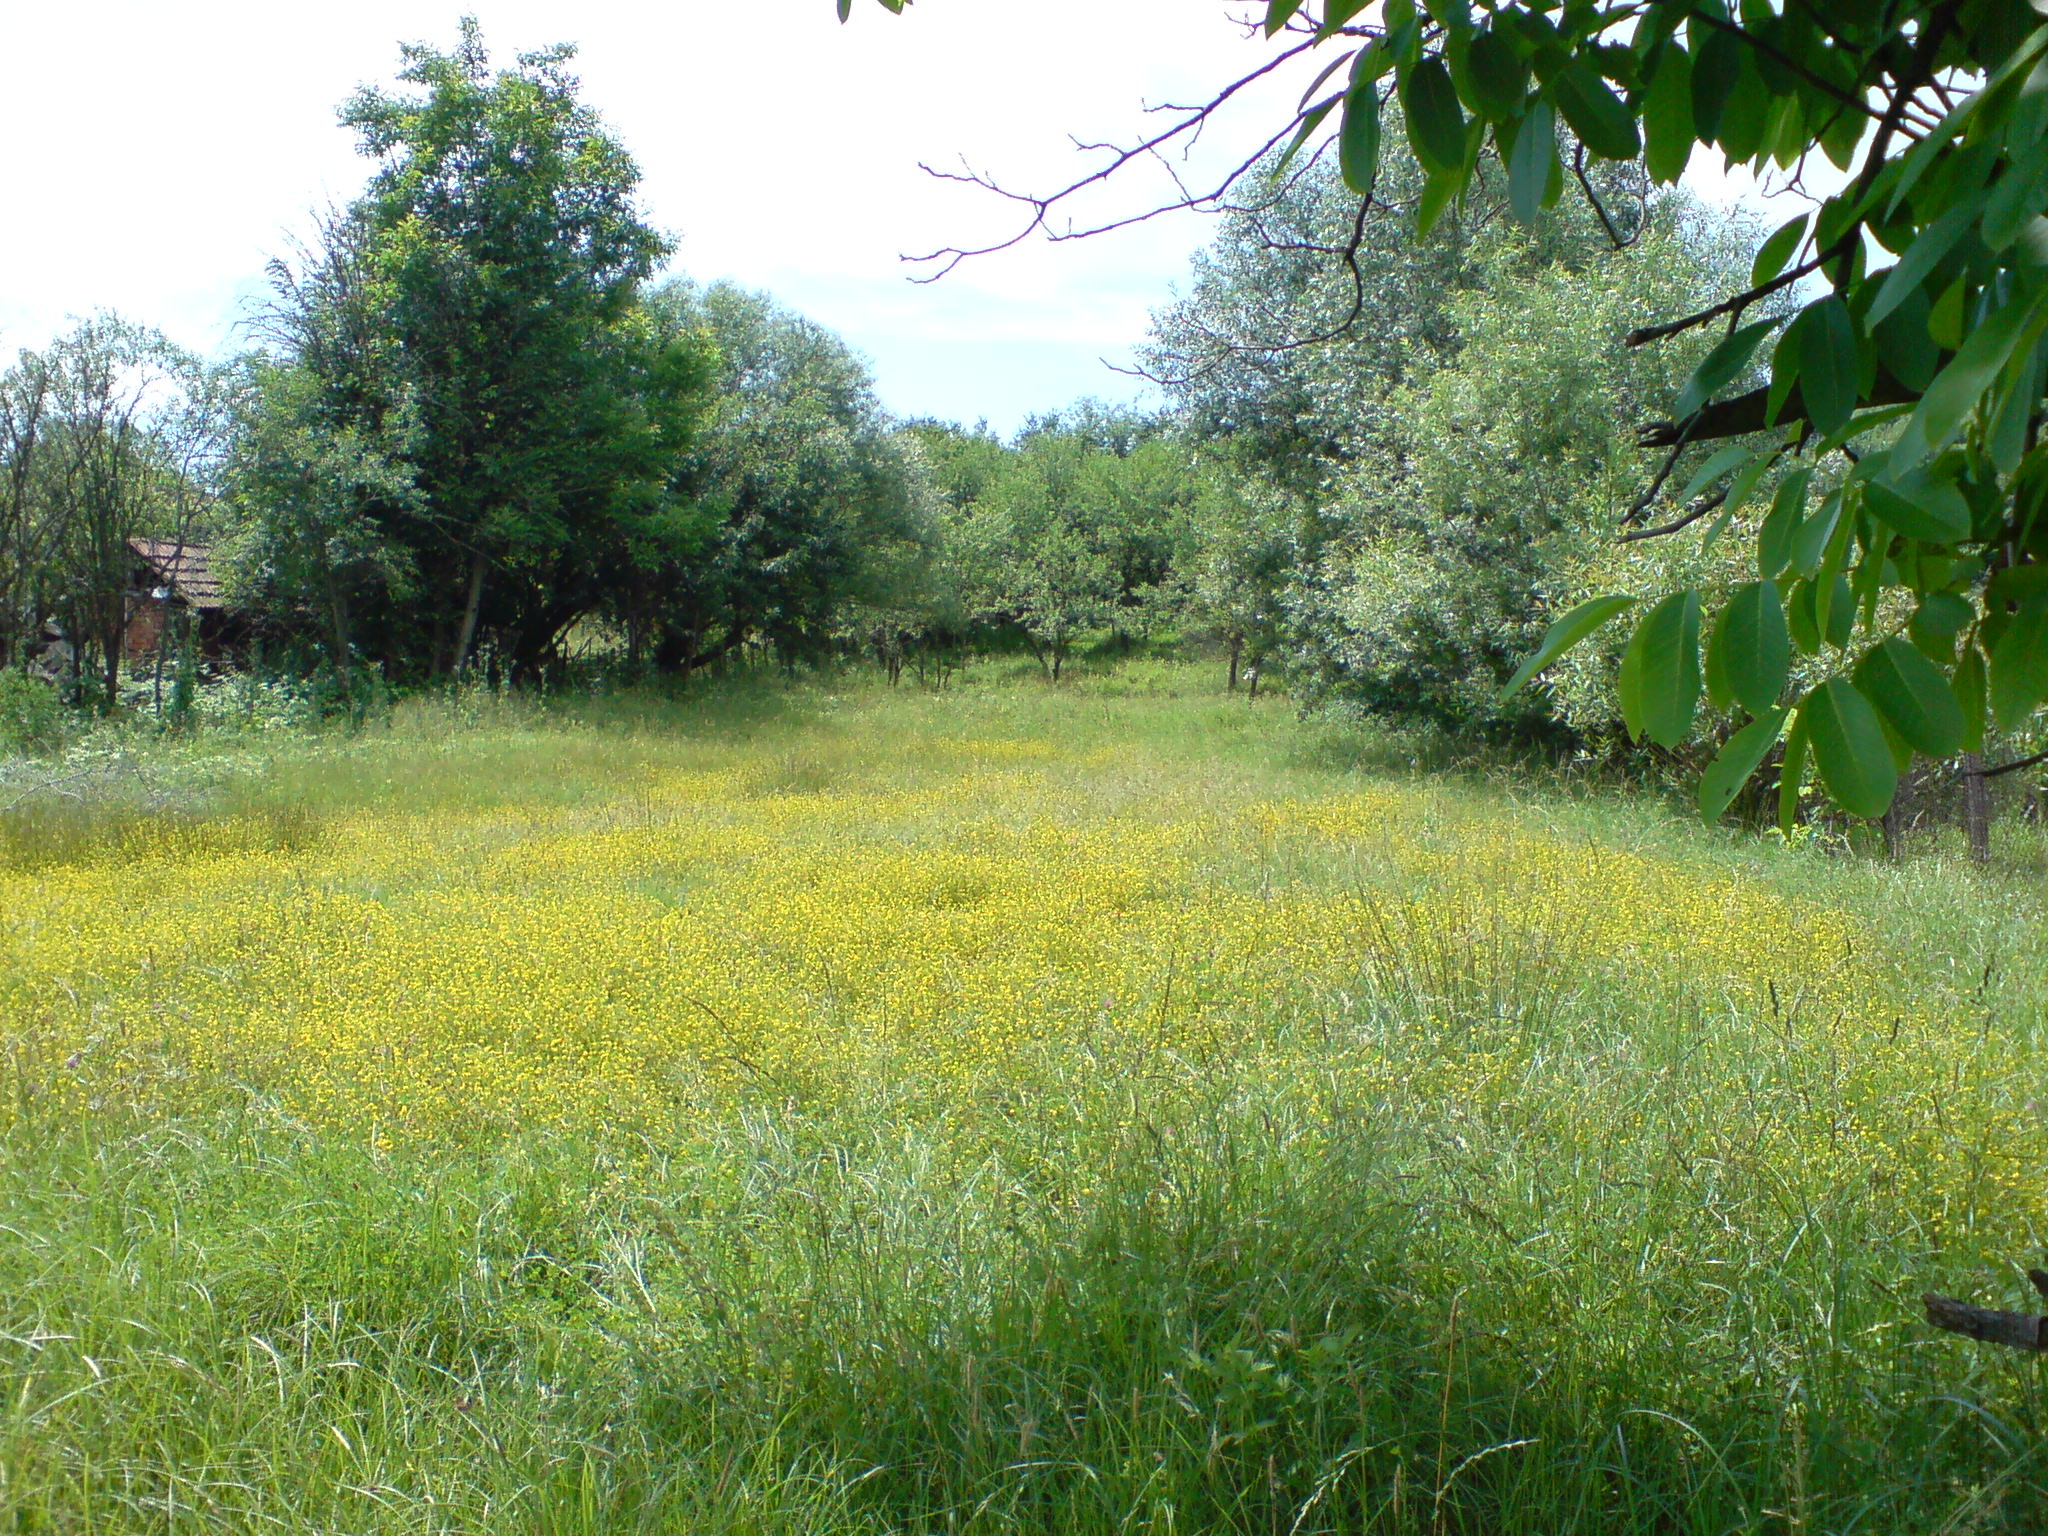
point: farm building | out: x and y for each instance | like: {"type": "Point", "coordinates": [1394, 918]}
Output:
{"type": "Point", "coordinates": [170, 577]}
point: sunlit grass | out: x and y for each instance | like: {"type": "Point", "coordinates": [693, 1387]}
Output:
{"type": "Point", "coordinates": [827, 1109]}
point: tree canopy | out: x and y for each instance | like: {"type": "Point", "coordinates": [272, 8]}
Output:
{"type": "Point", "coordinates": [1869, 415]}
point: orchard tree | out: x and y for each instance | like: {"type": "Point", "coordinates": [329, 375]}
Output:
{"type": "Point", "coordinates": [1894, 406]}
{"type": "Point", "coordinates": [801, 504]}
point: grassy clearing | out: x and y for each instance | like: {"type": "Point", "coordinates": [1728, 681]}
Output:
{"type": "Point", "coordinates": [824, 1109]}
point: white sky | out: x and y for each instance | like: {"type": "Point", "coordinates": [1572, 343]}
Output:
{"type": "Point", "coordinates": [160, 153]}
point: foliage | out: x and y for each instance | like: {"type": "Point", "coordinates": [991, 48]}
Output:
{"type": "Point", "coordinates": [1081, 525]}
{"type": "Point", "coordinates": [471, 426]}
{"type": "Point", "coordinates": [803, 506]}
{"type": "Point", "coordinates": [1919, 379]}
{"type": "Point", "coordinates": [828, 1110]}
{"type": "Point", "coordinates": [1247, 542]}
{"type": "Point", "coordinates": [1494, 471]}
{"type": "Point", "coordinates": [108, 434]}
{"type": "Point", "coordinates": [31, 714]}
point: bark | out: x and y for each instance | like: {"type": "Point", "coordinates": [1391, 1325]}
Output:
{"type": "Point", "coordinates": [1977, 807]}
{"type": "Point", "coordinates": [337, 617]}
{"type": "Point", "coordinates": [470, 608]}
{"type": "Point", "coordinates": [1745, 414]}
{"type": "Point", "coordinates": [1236, 651]}
{"type": "Point", "coordinates": [2016, 1330]}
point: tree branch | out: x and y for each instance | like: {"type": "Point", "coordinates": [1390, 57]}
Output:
{"type": "Point", "coordinates": [2004, 768]}
{"type": "Point", "coordinates": [1734, 304]}
{"type": "Point", "coordinates": [948, 257]}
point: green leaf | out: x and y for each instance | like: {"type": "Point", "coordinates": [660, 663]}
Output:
{"type": "Point", "coordinates": [1733, 765]}
{"type": "Point", "coordinates": [1799, 618]}
{"type": "Point", "coordinates": [1337, 12]}
{"type": "Point", "coordinates": [1498, 77]}
{"type": "Point", "coordinates": [1563, 635]}
{"type": "Point", "coordinates": [1921, 258]}
{"type": "Point", "coordinates": [2019, 666]}
{"type": "Point", "coordinates": [1358, 141]}
{"type": "Point", "coordinates": [1792, 774]}
{"type": "Point", "coordinates": [1436, 123]}
{"type": "Point", "coordinates": [1821, 610]}
{"type": "Point", "coordinates": [1329, 69]}
{"type": "Point", "coordinates": [1959, 387]}
{"type": "Point", "coordinates": [1746, 116]}
{"type": "Point", "coordinates": [1727, 359]}
{"type": "Point", "coordinates": [1904, 344]}
{"type": "Point", "coordinates": [1531, 163]}
{"type": "Point", "coordinates": [1439, 188]}
{"type": "Point", "coordinates": [1279, 13]}
{"type": "Point", "coordinates": [1920, 508]}
{"type": "Point", "coordinates": [1776, 251]}
{"type": "Point", "coordinates": [1731, 457]}
{"type": "Point", "coordinates": [1972, 689]}
{"type": "Point", "coordinates": [2017, 199]}
{"type": "Point", "coordinates": [1827, 363]}
{"type": "Point", "coordinates": [1810, 543]}
{"type": "Point", "coordinates": [2019, 392]}
{"type": "Point", "coordinates": [1784, 368]}
{"type": "Point", "coordinates": [1311, 120]}
{"type": "Point", "coordinates": [1660, 670]}
{"type": "Point", "coordinates": [1774, 539]}
{"type": "Point", "coordinates": [1752, 647]}
{"type": "Point", "coordinates": [1913, 697]}
{"type": "Point", "coordinates": [1595, 113]}
{"type": "Point", "coordinates": [1936, 623]}
{"type": "Point", "coordinates": [1667, 115]}
{"type": "Point", "coordinates": [1849, 748]}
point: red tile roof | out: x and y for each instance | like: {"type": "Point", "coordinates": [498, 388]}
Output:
{"type": "Point", "coordinates": [185, 568]}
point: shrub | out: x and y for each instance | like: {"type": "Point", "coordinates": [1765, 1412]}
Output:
{"type": "Point", "coordinates": [31, 716]}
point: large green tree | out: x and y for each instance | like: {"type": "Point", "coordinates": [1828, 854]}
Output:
{"type": "Point", "coordinates": [471, 424]}
{"type": "Point", "coordinates": [1908, 373]}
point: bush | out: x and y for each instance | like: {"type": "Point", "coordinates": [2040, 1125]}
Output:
{"type": "Point", "coordinates": [31, 715]}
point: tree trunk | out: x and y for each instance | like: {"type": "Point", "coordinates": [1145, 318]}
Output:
{"type": "Point", "coordinates": [1977, 807]}
{"type": "Point", "coordinates": [337, 618]}
{"type": "Point", "coordinates": [1236, 650]}
{"type": "Point", "coordinates": [111, 642]}
{"type": "Point", "coordinates": [470, 608]}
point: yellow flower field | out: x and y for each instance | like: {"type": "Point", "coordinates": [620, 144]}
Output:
{"type": "Point", "coordinates": [616, 964]}
{"type": "Point", "coordinates": [1078, 1110]}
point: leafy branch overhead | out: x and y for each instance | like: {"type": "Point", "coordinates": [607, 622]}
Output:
{"type": "Point", "coordinates": [1871, 417]}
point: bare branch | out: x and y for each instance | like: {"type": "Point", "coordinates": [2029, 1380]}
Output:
{"type": "Point", "coordinates": [2004, 768]}
{"type": "Point", "coordinates": [1699, 509]}
{"type": "Point", "coordinates": [2016, 1330]}
{"type": "Point", "coordinates": [946, 258]}
{"type": "Point", "coordinates": [1735, 304]}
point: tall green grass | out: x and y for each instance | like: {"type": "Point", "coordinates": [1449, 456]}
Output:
{"type": "Point", "coordinates": [1112, 1289]}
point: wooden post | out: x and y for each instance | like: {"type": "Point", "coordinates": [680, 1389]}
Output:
{"type": "Point", "coordinates": [1977, 807]}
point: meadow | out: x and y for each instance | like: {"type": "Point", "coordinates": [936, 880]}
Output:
{"type": "Point", "coordinates": [820, 1108]}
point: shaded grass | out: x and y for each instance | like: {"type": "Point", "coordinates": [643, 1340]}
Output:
{"type": "Point", "coordinates": [1490, 1239]}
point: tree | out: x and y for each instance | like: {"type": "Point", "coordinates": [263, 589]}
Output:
{"type": "Point", "coordinates": [805, 505]}
{"type": "Point", "coordinates": [1912, 367]}
{"type": "Point", "coordinates": [103, 467]}
{"type": "Point", "coordinates": [28, 536]}
{"type": "Point", "coordinates": [1247, 553]}
{"type": "Point", "coordinates": [470, 427]}
{"type": "Point", "coordinates": [1038, 559]}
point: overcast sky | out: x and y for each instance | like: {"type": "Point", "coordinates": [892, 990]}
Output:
{"type": "Point", "coordinates": [163, 152]}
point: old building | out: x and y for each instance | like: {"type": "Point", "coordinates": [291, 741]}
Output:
{"type": "Point", "coordinates": [172, 578]}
